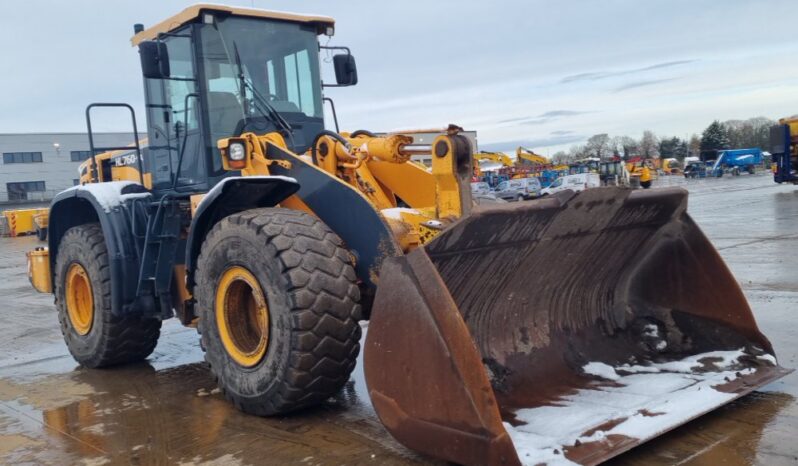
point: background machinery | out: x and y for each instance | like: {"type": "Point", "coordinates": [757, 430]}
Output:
{"type": "Point", "coordinates": [735, 161]}
{"type": "Point", "coordinates": [528, 156]}
{"type": "Point", "coordinates": [672, 166]}
{"type": "Point", "coordinates": [784, 147]}
{"type": "Point", "coordinates": [491, 167]}
{"type": "Point", "coordinates": [246, 218]}
{"type": "Point", "coordinates": [15, 222]}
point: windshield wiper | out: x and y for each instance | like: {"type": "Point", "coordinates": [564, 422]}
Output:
{"type": "Point", "coordinates": [260, 103]}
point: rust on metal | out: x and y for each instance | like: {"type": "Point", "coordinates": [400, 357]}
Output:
{"type": "Point", "coordinates": [502, 311]}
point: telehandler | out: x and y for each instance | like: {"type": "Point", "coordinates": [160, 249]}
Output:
{"type": "Point", "coordinates": [274, 236]}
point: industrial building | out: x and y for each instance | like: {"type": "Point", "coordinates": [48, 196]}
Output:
{"type": "Point", "coordinates": [36, 166]}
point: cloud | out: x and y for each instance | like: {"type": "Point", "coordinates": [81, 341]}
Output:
{"type": "Point", "coordinates": [534, 142]}
{"type": "Point", "coordinates": [535, 121]}
{"type": "Point", "coordinates": [560, 113]}
{"type": "Point", "coordinates": [516, 120]}
{"type": "Point", "coordinates": [636, 84]}
{"type": "Point", "coordinates": [597, 75]}
{"type": "Point", "coordinates": [543, 118]}
{"type": "Point", "coordinates": [561, 132]}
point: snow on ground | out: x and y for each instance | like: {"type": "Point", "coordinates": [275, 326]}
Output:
{"type": "Point", "coordinates": [637, 401]}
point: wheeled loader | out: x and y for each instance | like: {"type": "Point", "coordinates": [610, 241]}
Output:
{"type": "Point", "coordinates": [245, 217]}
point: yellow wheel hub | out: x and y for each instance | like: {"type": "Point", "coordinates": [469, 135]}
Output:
{"type": "Point", "coordinates": [79, 299]}
{"type": "Point", "coordinates": [242, 316]}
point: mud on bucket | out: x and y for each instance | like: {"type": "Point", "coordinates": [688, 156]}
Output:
{"type": "Point", "coordinates": [568, 329]}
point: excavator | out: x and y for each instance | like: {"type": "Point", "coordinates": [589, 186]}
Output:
{"type": "Point", "coordinates": [247, 218]}
{"type": "Point", "coordinates": [523, 154]}
{"type": "Point", "coordinates": [495, 160]}
{"type": "Point", "coordinates": [486, 161]}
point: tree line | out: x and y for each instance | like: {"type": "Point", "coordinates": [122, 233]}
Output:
{"type": "Point", "coordinates": [731, 134]}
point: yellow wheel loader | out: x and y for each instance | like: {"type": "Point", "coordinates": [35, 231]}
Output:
{"type": "Point", "coordinates": [274, 236]}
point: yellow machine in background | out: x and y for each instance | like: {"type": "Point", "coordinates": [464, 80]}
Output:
{"type": "Point", "coordinates": [643, 171]}
{"type": "Point", "coordinates": [523, 154]}
{"type": "Point", "coordinates": [490, 161]}
{"type": "Point", "coordinates": [784, 147]}
{"type": "Point", "coordinates": [25, 221]}
{"type": "Point", "coordinates": [671, 166]}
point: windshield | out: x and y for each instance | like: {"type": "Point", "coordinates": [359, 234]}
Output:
{"type": "Point", "coordinates": [255, 69]}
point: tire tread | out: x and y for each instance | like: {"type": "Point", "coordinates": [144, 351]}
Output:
{"type": "Point", "coordinates": [125, 339]}
{"type": "Point", "coordinates": [325, 307]}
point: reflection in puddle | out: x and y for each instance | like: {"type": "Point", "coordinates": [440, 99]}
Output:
{"type": "Point", "coordinates": [731, 435]}
{"type": "Point", "coordinates": [139, 415]}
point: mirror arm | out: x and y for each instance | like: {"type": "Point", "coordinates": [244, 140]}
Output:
{"type": "Point", "coordinates": [333, 47]}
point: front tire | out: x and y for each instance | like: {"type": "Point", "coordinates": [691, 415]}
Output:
{"type": "Point", "coordinates": [94, 336]}
{"type": "Point", "coordinates": [278, 300]}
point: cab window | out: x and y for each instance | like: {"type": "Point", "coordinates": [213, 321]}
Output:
{"type": "Point", "coordinates": [291, 84]}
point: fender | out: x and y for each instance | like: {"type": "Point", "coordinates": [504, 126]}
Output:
{"type": "Point", "coordinates": [347, 212]}
{"type": "Point", "coordinates": [114, 206]}
{"type": "Point", "coordinates": [232, 195]}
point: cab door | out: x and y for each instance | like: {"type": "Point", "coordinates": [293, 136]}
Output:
{"type": "Point", "coordinates": [175, 153]}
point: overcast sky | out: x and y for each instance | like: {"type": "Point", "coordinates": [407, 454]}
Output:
{"type": "Point", "coordinates": [545, 74]}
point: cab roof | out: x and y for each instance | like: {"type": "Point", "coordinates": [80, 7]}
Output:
{"type": "Point", "coordinates": [194, 11]}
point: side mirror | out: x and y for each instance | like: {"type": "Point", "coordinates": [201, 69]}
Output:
{"type": "Point", "coordinates": [154, 59]}
{"type": "Point", "coordinates": [345, 69]}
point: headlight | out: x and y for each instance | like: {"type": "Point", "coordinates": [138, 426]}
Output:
{"type": "Point", "coordinates": [236, 152]}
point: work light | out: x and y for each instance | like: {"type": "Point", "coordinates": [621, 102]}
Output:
{"type": "Point", "coordinates": [236, 151]}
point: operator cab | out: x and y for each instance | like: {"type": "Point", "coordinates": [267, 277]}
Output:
{"type": "Point", "coordinates": [214, 72]}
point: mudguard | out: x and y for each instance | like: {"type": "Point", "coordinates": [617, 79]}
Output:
{"type": "Point", "coordinates": [230, 196]}
{"type": "Point", "coordinates": [114, 206]}
{"type": "Point", "coordinates": [346, 211]}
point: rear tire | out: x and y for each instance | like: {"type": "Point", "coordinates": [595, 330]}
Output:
{"type": "Point", "coordinates": [94, 336]}
{"type": "Point", "coordinates": [296, 265]}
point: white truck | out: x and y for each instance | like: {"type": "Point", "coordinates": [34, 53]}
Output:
{"type": "Point", "coordinates": [576, 183]}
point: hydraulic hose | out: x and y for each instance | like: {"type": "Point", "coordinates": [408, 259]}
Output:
{"type": "Point", "coordinates": [363, 132]}
{"type": "Point", "coordinates": [321, 134]}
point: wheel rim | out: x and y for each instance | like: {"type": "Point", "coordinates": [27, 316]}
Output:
{"type": "Point", "coordinates": [79, 299]}
{"type": "Point", "coordinates": [242, 316]}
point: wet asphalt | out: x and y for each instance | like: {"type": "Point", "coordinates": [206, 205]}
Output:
{"type": "Point", "coordinates": [166, 411]}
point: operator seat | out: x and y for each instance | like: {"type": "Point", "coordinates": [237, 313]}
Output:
{"type": "Point", "coordinates": [224, 112]}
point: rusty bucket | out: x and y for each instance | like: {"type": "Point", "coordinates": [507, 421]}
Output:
{"type": "Point", "coordinates": [567, 329]}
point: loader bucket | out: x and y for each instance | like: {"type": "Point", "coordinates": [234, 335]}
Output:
{"type": "Point", "coordinates": [566, 329]}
